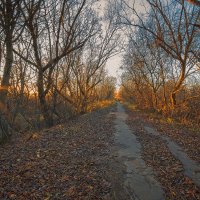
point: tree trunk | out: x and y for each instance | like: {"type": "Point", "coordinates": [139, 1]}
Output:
{"type": "Point", "coordinates": [165, 106]}
{"type": "Point", "coordinates": [7, 69]}
{"type": "Point", "coordinates": [177, 86]}
{"type": "Point", "coordinates": [5, 129]}
{"type": "Point", "coordinates": [154, 99]}
{"type": "Point", "coordinates": [84, 106]}
{"type": "Point", "coordinates": [43, 103]}
{"type": "Point", "coordinates": [173, 100]}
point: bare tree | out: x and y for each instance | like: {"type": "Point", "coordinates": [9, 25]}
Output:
{"type": "Point", "coordinates": [10, 30]}
{"type": "Point", "coordinates": [56, 30]}
{"type": "Point", "coordinates": [53, 55]}
{"type": "Point", "coordinates": [174, 32]}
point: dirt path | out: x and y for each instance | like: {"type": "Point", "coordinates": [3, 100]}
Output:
{"type": "Point", "coordinates": [176, 171]}
{"type": "Point", "coordinates": [138, 179]}
{"type": "Point", "coordinates": [66, 162]}
{"type": "Point", "coordinates": [191, 168]}
{"type": "Point", "coordinates": [109, 154]}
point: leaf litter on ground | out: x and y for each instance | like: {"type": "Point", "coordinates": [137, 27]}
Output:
{"type": "Point", "coordinates": [69, 161]}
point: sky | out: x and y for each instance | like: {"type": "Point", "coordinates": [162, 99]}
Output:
{"type": "Point", "coordinates": [114, 63]}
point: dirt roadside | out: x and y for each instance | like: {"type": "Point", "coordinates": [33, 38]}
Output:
{"type": "Point", "coordinates": [79, 160]}
{"type": "Point", "coordinates": [69, 161]}
{"type": "Point", "coordinates": [169, 170]}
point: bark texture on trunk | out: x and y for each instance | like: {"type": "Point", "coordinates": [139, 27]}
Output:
{"type": "Point", "coordinates": [7, 70]}
{"type": "Point", "coordinates": [178, 86]}
{"type": "Point", "coordinates": [173, 100]}
{"type": "Point", "coordinates": [5, 129]}
{"type": "Point", "coordinates": [43, 102]}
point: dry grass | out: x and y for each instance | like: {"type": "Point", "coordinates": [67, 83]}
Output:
{"type": "Point", "coordinates": [174, 120]}
{"type": "Point", "coordinates": [100, 104]}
